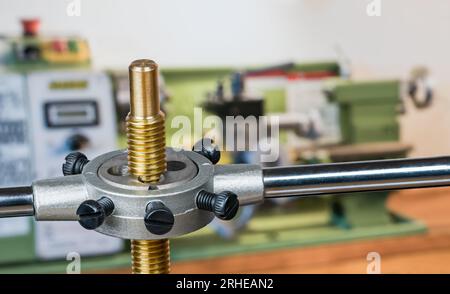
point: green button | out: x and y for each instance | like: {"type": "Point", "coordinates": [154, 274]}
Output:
{"type": "Point", "coordinates": [73, 45]}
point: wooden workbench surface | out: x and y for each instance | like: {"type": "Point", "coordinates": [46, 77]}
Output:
{"type": "Point", "coordinates": [425, 253]}
{"type": "Point", "coordinates": [422, 253]}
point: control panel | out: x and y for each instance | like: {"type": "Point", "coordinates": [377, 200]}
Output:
{"type": "Point", "coordinates": [54, 51]}
{"type": "Point", "coordinates": [43, 116]}
{"type": "Point", "coordinates": [15, 149]}
{"type": "Point", "coordinates": [71, 110]}
{"type": "Point", "coordinates": [15, 159]}
{"type": "Point", "coordinates": [35, 51]}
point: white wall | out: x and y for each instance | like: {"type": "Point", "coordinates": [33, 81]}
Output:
{"type": "Point", "coordinates": [174, 32]}
{"type": "Point", "coordinates": [246, 32]}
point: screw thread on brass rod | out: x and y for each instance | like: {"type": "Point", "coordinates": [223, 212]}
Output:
{"type": "Point", "coordinates": [150, 256]}
{"type": "Point", "coordinates": [146, 156]}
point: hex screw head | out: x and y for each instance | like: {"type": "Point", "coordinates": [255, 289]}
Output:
{"type": "Point", "coordinates": [225, 205]}
{"type": "Point", "coordinates": [158, 219]}
{"type": "Point", "coordinates": [208, 149]}
{"type": "Point", "coordinates": [92, 213]}
{"type": "Point", "coordinates": [75, 162]}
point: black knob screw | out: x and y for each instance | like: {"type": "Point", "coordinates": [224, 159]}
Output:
{"type": "Point", "coordinates": [92, 213]}
{"type": "Point", "coordinates": [75, 162]}
{"type": "Point", "coordinates": [208, 149]}
{"type": "Point", "coordinates": [225, 205]}
{"type": "Point", "coordinates": [158, 218]}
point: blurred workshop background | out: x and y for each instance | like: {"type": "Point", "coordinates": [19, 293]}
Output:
{"type": "Point", "coordinates": [349, 80]}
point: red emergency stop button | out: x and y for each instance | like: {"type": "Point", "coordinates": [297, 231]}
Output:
{"type": "Point", "coordinates": [31, 27]}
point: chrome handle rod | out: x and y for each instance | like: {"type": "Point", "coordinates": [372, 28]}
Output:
{"type": "Point", "coordinates": [320, 179]}
{"type": "Point", "coordinates": [16, 201]}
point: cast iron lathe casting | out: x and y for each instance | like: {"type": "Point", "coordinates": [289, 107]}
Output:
{"type": "Point", "coordinates": [150, 193]}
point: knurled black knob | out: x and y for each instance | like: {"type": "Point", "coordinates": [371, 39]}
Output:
{"type": "Point", "coordinates": [208, 149]}
{"type": "Point", "coordinates": [75, 162]}
{"type": "Point", "coordinates": [158, 218]}
{"type": "Point", "coordinates": [92, 213]}
{"type": "Point", "coordinates": [225, 205]}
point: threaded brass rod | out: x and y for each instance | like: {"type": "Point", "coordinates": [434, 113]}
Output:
{"type": "Point", "coordinates": [145, 123]}
{"type": "Point", "coordinates": [146, 148]}
{"type": "Point", "coordinates": [146, 156]}
{"type": "Point", "coordinates": [150, 256]}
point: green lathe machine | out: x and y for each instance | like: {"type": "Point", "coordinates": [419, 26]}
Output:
{"type": "Point", "coordinates": [369, 130]}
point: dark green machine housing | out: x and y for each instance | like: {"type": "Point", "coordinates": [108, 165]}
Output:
{"type": "Point", "coordinates": [368, 114]}
{"type": "Point", "coordinates": [368, 110]}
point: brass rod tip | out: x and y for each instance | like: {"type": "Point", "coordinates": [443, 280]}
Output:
{"type": "Point", "coordinates": [143, 65]}
{"type": "Point", "coordinates": [144, 91]}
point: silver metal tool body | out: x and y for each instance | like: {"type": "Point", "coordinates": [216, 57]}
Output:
{"type": "Point", "coordinates": [188, 173]}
